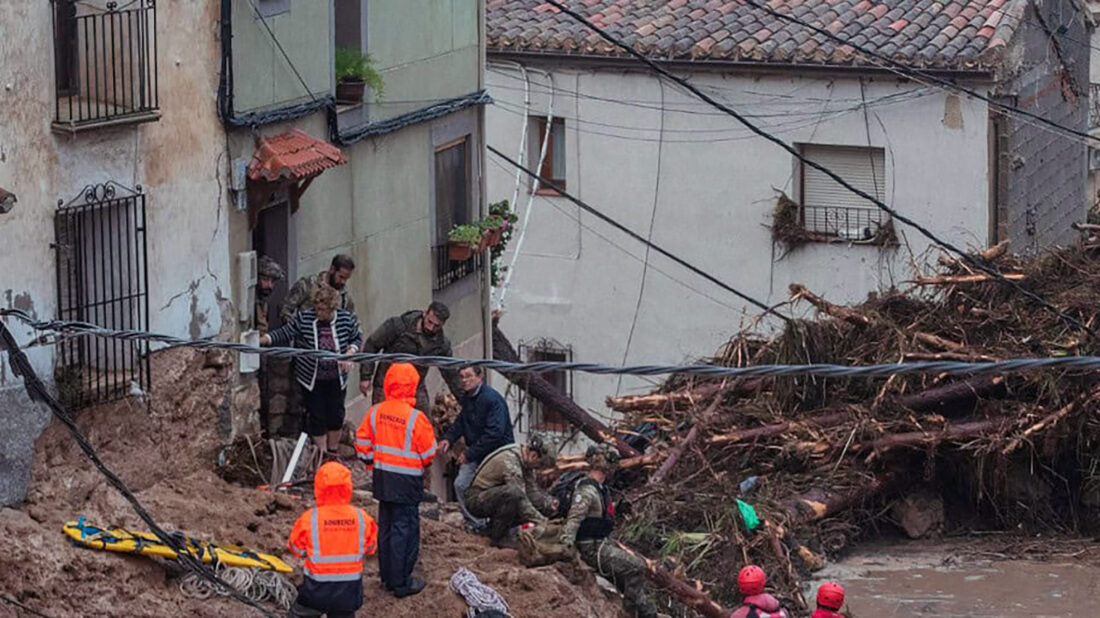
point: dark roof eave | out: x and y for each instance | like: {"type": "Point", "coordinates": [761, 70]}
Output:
{"type": "Point", "coordinates": [730, 66]}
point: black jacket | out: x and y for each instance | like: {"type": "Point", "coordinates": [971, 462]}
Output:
{"type": "Point", "coordinates": [398, 335]}
{"type": "Point", "coordinates": [484, 422]}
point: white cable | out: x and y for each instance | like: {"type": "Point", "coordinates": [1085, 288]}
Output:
{"type": "Point", "coordinates": [534, 189]}
{"type": "Point", "coordinates": [521, 156]}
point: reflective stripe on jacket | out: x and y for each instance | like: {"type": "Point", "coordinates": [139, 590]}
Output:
{"type": "Point", "coordinates": [334, 536]}
{"type": "Point", "coordinates": [397, 440]}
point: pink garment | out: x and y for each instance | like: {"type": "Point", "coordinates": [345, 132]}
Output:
{"type": "Point", "coordinates": [826, 613]}
{"type": "Point", "coordinates": [766, 606]}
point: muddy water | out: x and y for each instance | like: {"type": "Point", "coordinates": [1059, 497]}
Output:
{"type": "Point", "coordinates": [906, 580]}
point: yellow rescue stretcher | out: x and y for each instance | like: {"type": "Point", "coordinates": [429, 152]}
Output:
{"type": "Point", "coordinates": [147, 544]}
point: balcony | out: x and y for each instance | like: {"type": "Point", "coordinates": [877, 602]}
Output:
{"type": "Point", "coordinates": [105, 64]}
{"type": "Point", "coordinates": [447, 271]}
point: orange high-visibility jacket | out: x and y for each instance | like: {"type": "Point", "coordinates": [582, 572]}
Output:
{"type": "Point", "coordinates": [334, 535]}
{"type": "Point", "coordinates": [396, 439]}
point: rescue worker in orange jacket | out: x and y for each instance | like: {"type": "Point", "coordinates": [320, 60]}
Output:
{"type": "Point", "coordinates": [332, 537]}
{"type": "Point", "coordinates": [397, 441]}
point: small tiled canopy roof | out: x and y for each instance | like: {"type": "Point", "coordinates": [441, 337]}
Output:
{"type": "Point", "coordinates": [294, 155]}
{"type": "Point", "coordinates": [942, 34]}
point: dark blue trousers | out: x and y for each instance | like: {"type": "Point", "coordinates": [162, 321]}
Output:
{"type": "Point", "coordinates": [398, 542]}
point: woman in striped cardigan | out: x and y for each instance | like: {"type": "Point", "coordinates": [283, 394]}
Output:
{"type": "Point", "coordinates": [324, 383]}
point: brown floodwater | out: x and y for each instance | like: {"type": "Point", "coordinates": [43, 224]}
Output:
{"type": "Point", "coordinates": [934, 580]}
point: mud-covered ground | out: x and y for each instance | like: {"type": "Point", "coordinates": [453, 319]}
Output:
{"type": "Point", "coordinates": [166, 454]}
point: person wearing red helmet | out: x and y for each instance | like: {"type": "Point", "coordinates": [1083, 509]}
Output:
{"type": "Point", "coordinates": [830, 598]}
{"type": "Point", "coordinates": [755, 602]}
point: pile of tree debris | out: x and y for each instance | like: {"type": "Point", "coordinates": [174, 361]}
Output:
{"type": "Point", "coordinates": [824, 462]}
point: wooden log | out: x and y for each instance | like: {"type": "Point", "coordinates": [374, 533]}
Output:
{"type": "Point", "coordinates": [678, 450]}
{"type": "Point", "coordinates": [827, 419]}
{"type": "Point", "coordinates": [679, 399]}
{"type": "Point", "coordinates": [938, 342]}
{"type": "Point", "coordinates": [956, 279]}
{"type": "Point", "coordinates": [949, 432]}
{"type": "Point", "coordinates": [566, 464]}
{"type": "Point", "coordinates": [818, 503]}
{"type": "Point", "coordinates": [1046, 422]}
{"type": "Point", "coordinates": [995, 251]}
{"type": "Point", "coordinates": [692, 596]}
{"type": "Point", "coordinates": [951, 356]}
{"type": "Point", "coordinates": [799, 292]}
{"type": "Point", "coordinates": [956, 396]}
{"type": "Point", "coordinates": [537, 387]}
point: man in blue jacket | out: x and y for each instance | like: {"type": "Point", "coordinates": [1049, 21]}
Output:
{"type": "Point", "coordinates": [485, 425]}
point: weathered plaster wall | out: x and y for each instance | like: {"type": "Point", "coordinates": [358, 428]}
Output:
{"type": "Point", "coordinates": [578, 280]}
{"type": "Point", "coordinates": [179, 161]}
{"type": "Point", "coordinates": [1047, 74]}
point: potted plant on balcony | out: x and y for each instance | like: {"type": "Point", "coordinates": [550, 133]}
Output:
{"type": "Point", "coordinates": [464, 241]}
{"type": "Point", "coordinates": [493, 226]}
{"type": "Point", "coordinates": [354, 74]}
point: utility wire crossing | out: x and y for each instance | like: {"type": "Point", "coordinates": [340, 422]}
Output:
{"type": "Point", "coordinates": [970, 260]}
{"type": "Point", "coordinates": [1016, 365]}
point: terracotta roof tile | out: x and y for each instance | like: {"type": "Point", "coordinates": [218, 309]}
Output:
{"type": "Point", "coordinates": [953, 34]}
{"type": "Point", "coordinates": [293, 155]}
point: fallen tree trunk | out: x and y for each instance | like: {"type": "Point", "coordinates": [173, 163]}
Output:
{"type": "Point", "coordinates": [665, 401]}
{"type": "Point", "coordinates": [568, 463]}
{"type": "Point", "coordinates": [955, 431]}
{"type": "Point", "coordinates": [678, 450]}
{"type": "Point", "coordinates": [956, 395]}
{"type": "Point", "coordinates": [767, 431]}
{"type": "Point", "coordinates": [692, 596]}
{"type": "Point", "coordinates": [819, 503]}
{"type": "Point", "coordinates": [954, 279]}
{"type": "Point", "coordinates": [537, 386]}
{"type": "Point", "coordinates": [799, 292]}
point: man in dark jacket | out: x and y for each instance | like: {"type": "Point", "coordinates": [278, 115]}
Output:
{"type": "Point", "coordinates": [414, 332]}
{"type": "Point", "coordinates": [485, 425]}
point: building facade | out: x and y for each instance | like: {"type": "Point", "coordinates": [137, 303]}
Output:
{"type": "Point", "coordinates": [700, 185]}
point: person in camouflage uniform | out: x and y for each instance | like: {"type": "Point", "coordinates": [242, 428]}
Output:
{"type": "Point", "coordinates": [588, 525]}
{"type": "Point", "coordinates": [415, 332]}
{"type": "Point", "coordinates": [268, 273]}
{"type": "Point", "coordinates": [505, 491]}
{"type": "Point", "coordinates": [336, 277]}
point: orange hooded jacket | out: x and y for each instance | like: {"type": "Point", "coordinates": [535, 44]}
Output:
{"type": "Point", "coordinates": [396, 439]}
{"type": "Point", "coordinates": [334, 535]}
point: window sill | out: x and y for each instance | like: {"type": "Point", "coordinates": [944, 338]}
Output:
{"type": "Point", "coordinates": [72, 128]}
{"type": "Point", "coordinates": [549, 192]}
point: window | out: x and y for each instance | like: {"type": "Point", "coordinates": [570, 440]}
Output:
{"type": "Point", "coordinates": [105, 63]}
{"type": "Point", "coordinates": [831, 211]}
{"type": "Point", "coordinates": [102, 279]}
{"type": "Point", "coordinates": [453, 206]}
{"type": "Point", "coordinates": [543, 417]}
{"type": "Point", "coordinates": [271, 8]}
{"type": "Point", "coordinates": [553, 164]}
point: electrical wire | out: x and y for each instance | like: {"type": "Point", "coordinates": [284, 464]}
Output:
{"type": "Point", "coordinates": [629, 232]}
{"type": "Point", "coordinates": [964, 256]}
{"type": "Point", "coordinates": [37, 391]}
{"type": "Point", "coordinates": [275, 39]}
{"type": "Point", "coordinates": [21, 607]}
{"type": "Point", "coordinates": [21, 367]}
{"type": "Point", "coordinates": [623, 249]}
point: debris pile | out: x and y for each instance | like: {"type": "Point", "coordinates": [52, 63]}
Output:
{"type": "Point", "coordinates": [823, 462]}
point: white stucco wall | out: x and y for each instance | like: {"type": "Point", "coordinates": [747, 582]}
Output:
{"type": "Point", "coordinates": [578, 281]}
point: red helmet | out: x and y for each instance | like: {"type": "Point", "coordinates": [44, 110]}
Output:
{"type": "Point", "coordinates": [830, 596]}
{"type": "Point", "coordinates": [750, 580]}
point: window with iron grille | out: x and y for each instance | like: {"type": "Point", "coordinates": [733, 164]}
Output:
{"type": "Point", "coordinates": [553, 163]}
{"type": "Point", "coordinates": [453, 206]}
{"type": "Point", "coordinates": [105, 63]}
{"type": "Point", "coordinates": [829, 210]}
{"type": "Point", "coordinates": [543, 417]}
{"type": "Point", "coordinates": [102, 278]}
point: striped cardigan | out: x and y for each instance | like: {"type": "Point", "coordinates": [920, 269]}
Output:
{"type": "Point", "coordinates": [301, 332]}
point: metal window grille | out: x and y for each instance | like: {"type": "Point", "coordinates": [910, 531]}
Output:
{"type": "Point", "coordinates": [448, 271]}
{"type": "Point", "coordinates": [831, 210]}
{"type": "Point", "coordinates": [105, 63]}
{"type": "Point", "coordinates": [542, 417]}
{"type": "Point", "coordinates": [102, 278]}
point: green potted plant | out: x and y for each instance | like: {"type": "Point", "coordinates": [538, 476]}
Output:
{"type": "Point", "coordinates": [463, 242]}
{"type": "Point", "coordinates": [493, 226]}
{"type": "Point", "coordinates": [354, 73]}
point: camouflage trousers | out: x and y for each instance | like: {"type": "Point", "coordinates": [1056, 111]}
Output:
{"type": "Point", "coordinates": [624, 569]}
{"type": "Point", "coordinates": [505, 506]}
